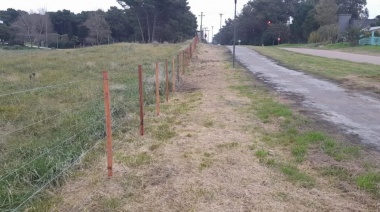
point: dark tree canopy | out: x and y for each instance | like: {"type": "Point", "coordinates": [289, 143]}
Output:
{"type": "Point", "coordinates": [165, 20]}
{"type": "Point", "coordinates": [354, 7]}
{"type": "Point", "coordinates": [261, 21]}
{"type": "Point", "coordinates": [139, 21]}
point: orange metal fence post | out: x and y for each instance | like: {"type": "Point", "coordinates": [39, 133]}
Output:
{"type": "Point", "coordinates": [178, 67]}
{"type": "Point", "coordinates": [107, 109]}
{"type": "Point", "coordinates": [173, 76]}
{"type": "Point", "coordinates": [167, 80]}
{"type": "Point", "coordinates": [141, 101]}
{"type": "Point", "coordinates": [157, 90]}
{"type": "Point", "coordinates": [191, 50]}
{"type": "Point", "coordinates": [188, 56]}
{"type": "Point", "coordinates": [183, 62]}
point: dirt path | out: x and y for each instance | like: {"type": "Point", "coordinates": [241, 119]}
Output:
{"type": "Point", "coordinates": [359, 58]}
{"type": "Point", "coordinates": [201, 159]}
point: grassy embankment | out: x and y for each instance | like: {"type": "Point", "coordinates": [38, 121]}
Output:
{"type": "Point", "coordinates": [51, 118]}
{"type": "Point", "coordinates": [353, 75]}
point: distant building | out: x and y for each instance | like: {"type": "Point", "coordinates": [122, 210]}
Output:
{"type": "Point", "coordinates": [1, 22]}
{"type": "Point", "coordinates": [346, 21]}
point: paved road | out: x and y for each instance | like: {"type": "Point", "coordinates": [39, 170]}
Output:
{"type": "Point", "coordinates": [355, 113]}
{"type": "Point", "coordinates": [360, 58]}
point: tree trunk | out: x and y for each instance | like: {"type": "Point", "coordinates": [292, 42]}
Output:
{"type": "Point", "coordinates": [154, 27]}
{"type": "Point", "coordinates": [142, 32]}
{"type": "Point", "coordinates": [97, 38]}
{"type": "Point", "coordinates": [148, 27]}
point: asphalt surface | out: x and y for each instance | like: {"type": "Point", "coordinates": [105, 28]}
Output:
{"type": "Point", "coordinates": [356, 114]}
{"type": "Point", "coordinates": [359, 58]}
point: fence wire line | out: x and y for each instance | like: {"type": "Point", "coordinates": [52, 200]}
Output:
{"type": "Point", "coordinates": [119, 125]}
{"type": "Point", "coordinates": [64, 170]}
{"type": "Point", "coordinates": [48, 151]}
{"type": "Point", "coordinates": [55, 177]}
{"type": "Point", "coordinates": [20, 146]}
{"type": "Point", "coordinates": [46, 87]}
{"type": "Point", "coordinates": [64, 112]}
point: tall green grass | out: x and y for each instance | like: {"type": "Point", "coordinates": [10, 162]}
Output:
{"type": "Point", "coordinates": [48, 121]}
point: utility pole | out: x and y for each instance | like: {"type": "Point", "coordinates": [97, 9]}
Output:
{"type": "Point", "coordinates": [220, 29]}
{"type": "Point", "coordinates": [46, 20]}
{"type": "Point", "coordinates": [212, 34]}
{"type": "Point", "coordinates": [233, 63]}
{"type": "Point", "coordinates": [202, 24]}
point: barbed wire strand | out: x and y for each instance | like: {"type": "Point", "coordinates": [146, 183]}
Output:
{"type": "Point", "coordinates": [48, 151]}
{"type": "Point", "coordinates": [64, 112]}
{"type": "Point", "coordinates": [54, 178]}
{"type": "Point", "coordinates": [47, 87]}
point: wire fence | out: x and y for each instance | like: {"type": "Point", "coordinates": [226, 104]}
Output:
{"type": "Point", "coordinates": [44, 131]}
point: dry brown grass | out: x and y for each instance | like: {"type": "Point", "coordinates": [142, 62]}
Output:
{"type": "Point", "coordinates": [203, 167]}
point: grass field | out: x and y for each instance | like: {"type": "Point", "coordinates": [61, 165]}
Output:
{"type": "Point", "coordinates": [51, 109]}
{"type": "Point", "coordinates": [353, 75]}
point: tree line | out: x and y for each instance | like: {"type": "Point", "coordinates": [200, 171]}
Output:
{"type": "Point", "coordinates": [269, 22]}
{"type": "Point", "coordinates": [140, 21]}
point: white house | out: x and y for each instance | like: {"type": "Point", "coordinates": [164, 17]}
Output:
{"type": "Point", "coordinates": [1, 22]}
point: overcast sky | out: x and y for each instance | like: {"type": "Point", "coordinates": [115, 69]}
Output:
{"type": "Point", "coordinates": [211, 8]}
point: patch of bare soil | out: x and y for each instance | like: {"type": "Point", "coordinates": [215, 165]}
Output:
{"type": "Point", "coordinates": [208, 165]}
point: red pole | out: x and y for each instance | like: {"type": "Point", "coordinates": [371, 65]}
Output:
{"type": "Point", "coordinates": [167, 81]}
{"type": "Point", "coordinates": [187, 56]}
{"type": "Point", "coordinates": [173, 76]}
{"type": "Point", "coordinates": [157, 90]}
{"type": "Point", "coordinates": [180, 65]}
{"type": "Point", "coordinates": [183, 62]}
{"type": "Point", "coordinates": [178, 69]}
{"type": "Point", "coordinates": [107, 109]}
{"type": "Point", "coordinates": [141, 101]}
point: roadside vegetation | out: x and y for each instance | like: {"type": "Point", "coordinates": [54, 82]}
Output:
{"type": "Point", "coordinates": [211, 140]}
{"type": "Point", "coordinates": [52, 113]}
{"type": "Point", "coordinates": [303, 142]}
{"type": "Point", "coordinates": [353, 75]}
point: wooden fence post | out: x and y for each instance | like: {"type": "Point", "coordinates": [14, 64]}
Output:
{"type": "Point", "coordinates": [141, 92]}
{"type": "Point", "coordinates": [191, 50]}
{"type": "Point", "coordinates": [157, 90]}
{"type": "Point", "coordinates": [167, 80]}
{"type": "Point", "coordinates": [178, 71]}
{"type": "Point", "coordinates": [183, 62]}
{"type": "Point", "coordinates": [173, 76]}
{"type": "Point", "coordinates": [107, 109]}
